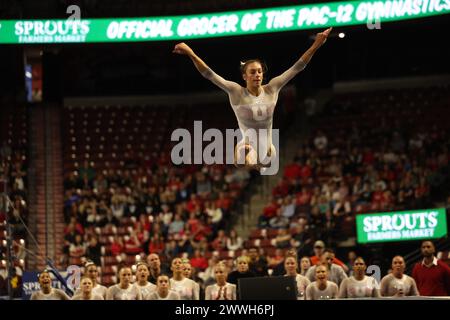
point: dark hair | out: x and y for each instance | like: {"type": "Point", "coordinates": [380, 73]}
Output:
{"type": "Point", "coordinates": [359, 258]}
{"type": "Point", "coordinates": [432, 243]}
{"type": "Point", "coordinates": [162, 275]}
{"type": "Point", "coordinates": [122, 266]}
{"type": "Point", "coordinates": [245, 63]}
{"type": "Point", "coordinates": [329, 251]}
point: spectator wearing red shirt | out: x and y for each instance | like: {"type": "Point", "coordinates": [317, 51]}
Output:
{"type": "Point", "coordinates": [306, 171]}
{"type": "Point", "coordinates": [145, 222]}
{"type": "Point", "coordinates": [193, 204]}
{"type": "Point", "coordinates": [198, 261]}
{"type": "Point", "coordinates": [269, 212]}
{"type": "Point", "coordinates": [319, 250]}
{"type": "Point", "coordinates": [117, 246]}
{"type": "Point", "coordinates": [156, 245]}
{"type": "Point", "coordinates": [74, 226]}
{"type": "Point", "coordinates": [292, 171]}
{"type": "Point", "coordinates": [378, 195]}
{"type": "Point", "coordinates": [368, 156]}
{"type": "Point", "coordinates": [132, 244]}
{"type": "Point", "coordinates": [193, 223]}
{"type": "Point", "coordinates": [282, 189]}
{"type": "Point", "coordinates": [220, 243]}
{"type": "Point", "coordinates": [223, 202]}
{"type": "Point", "coordinates": [432, 276]}
{"type": "Point", "coordinates": [303, 197]}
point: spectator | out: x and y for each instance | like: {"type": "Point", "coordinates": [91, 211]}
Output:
{"type": "Point", "coordinates": [257, 264]}
{"type": "Point", "coordinates": [234, 242]}
{"type": "Point", "coordinates": [94, 251]}
{"type": "Point", "coordinates": [283, 239]}
{"type": "Point", "coordinates": [351, 261]}
{"type": "Point", "coordinates": [154, 264]}
{"type": "Point", "coordinates": [186, 288]}
{"type": "Point", "coordinates": [335, 272]}
{"type": "Point", "coordinates": [163, 291]}
{"type": "Point", "coordinates": [86, 293]}
{"type": "Point", "coordinates": [321, 288]}
{"type": "Point", "coordinates": [288, 207]}
{"type": "Point", "coordinates": [398, 284]}
{"type": "Point", "coordinates": [215, 213]}
{"type": "Point", "coordinates": [320, 141]}
{"type": "Point", "coordinates": [220, 243]}
{"type": "Point", "coordinates": [432, 276]}
{"type": "Point", "coordinates": [117, 208]}
{"type": "Point", "coordinates": [221, 290]}
{"type": "Point", "coordinates": [91, 270]}
{"type": "Point", "coordinates": [177, 225]}
{"type": "Point", "coordinates": [291, 267]}
{"type": "Point", "coordinates": [305, 264]}
{"type": "Point", "coordinates": [78, 248]}
{"type": "Point", "coordinates": [117, 246]}
{"type": "Point", "coordinates": [124, 290]}
{"type": "Point", "coordinates": [276, 259]}
{"type": "Point", "coordinates": [292, 171]}
{"type": "Point", "coordinates": [242, 271]}
{"type": "Point", "coordinates": [279, 222]}
{"type": "Point", "coordinates": [359, 285]}
{"type": "Point", "coordinates": [47, 292]}
{"type": "Point", "coordinates": [157, 245]}
{"type": "Point", "coordinates": [199, 261]}
{"type": "Point", "coordinates": [132, 245]}
{"type": "Point", "coordinates": [269, 212]}
{"type": "Point", "coordinates": [319, 249]}
{"type": "Point", "coordinates": [184, 244]}
{"type": "Point", "coordinates": [191, 273]}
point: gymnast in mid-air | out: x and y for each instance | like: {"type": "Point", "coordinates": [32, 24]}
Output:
{"type": "Point", "coordinates": [254, 104]}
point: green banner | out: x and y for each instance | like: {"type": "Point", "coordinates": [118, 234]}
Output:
{"type": "Point", "coordinates": [401, 225]}
{"type": "Point", "coordinates": [371, 13]}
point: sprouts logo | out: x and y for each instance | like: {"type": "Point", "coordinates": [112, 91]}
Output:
{"type": "Point", "coordinates": [49, 31]}
{"type": "Point", "coordinates": [395, 226]}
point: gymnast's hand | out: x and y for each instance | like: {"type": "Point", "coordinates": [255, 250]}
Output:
{"type": "Point", "coordinates": [321, 37]}
{"type": "Point", "coordinates": [183, 48]}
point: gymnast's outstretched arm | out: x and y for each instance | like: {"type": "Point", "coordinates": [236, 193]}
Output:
{"type": "Point", "coordinates": [279, 82]}
{"type": "Point", "coordinates": [228, 86]}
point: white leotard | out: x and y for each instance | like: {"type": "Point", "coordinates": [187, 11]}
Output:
{"type": "Point", "coordinates": [255, 112]}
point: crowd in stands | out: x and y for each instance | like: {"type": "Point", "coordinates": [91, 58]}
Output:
{"type": "Point", "coordinates": [369, 153]}
{"type": "Point", "coordinates": [13, 195]}
{"type": "Point", "coordinates": [177, 213]}
{"type": "Point", "coordinates": [128, 203]}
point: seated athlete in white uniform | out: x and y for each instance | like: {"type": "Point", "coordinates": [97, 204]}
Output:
{"type": "Point", "coordinates": [254, 104]}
